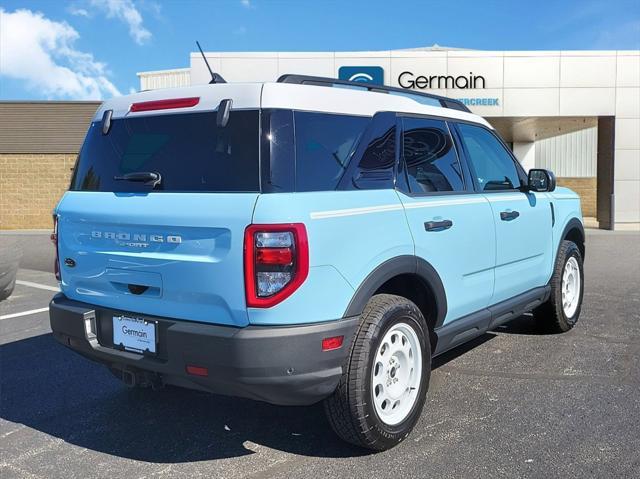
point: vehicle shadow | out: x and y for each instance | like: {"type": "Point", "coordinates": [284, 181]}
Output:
{"type": "Point", "coordinates": [458, 351]}
{"type": "Point", "coordinates": [525, 325]}
{"type": "Point", "coordinates": [48, 388]}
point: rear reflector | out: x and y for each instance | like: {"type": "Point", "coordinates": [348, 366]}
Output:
{"type": "Point", "coordinates": [197, 370]}
{"type": "Point", "coordinates": [335, 342]}
{"type": "Point", "coordinates": [54, 240]}
{"type": "Point", "coordinates": [165, 104]}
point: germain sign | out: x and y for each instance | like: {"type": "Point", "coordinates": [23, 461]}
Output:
{"type": "Point", "coordinates": [362, 74]}
{"type": "Point", "coordinates": [409, 80]}
{"type": "Point", "coordinates": [480, 101]}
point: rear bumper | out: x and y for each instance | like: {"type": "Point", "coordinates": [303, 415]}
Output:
{"type": "Point", "coordinates": [279, 365]}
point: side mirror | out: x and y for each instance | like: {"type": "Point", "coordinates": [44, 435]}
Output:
{"type": "Point", "coordinates": [541, 180]}
{"type": "Point", "coordinates": [222, 118]}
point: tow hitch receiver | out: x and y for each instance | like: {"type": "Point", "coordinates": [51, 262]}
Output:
{"type": "Point", "coordinates": [136, 378]}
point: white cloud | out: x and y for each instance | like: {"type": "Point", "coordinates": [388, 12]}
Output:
{"type": "Point", "coordinates": [78, 12]}
{"type": "Point", "coordinates": [127, 12]}
{"type": "Point", "coordinates": [41, 52]}
{"type": "Point", "coordinates": [246, 3]}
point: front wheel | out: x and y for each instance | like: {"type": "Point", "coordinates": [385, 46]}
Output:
{"type": "Point", "coordinates": [385, 379]}
{"type": "Point", "coordinates": [561, 311]}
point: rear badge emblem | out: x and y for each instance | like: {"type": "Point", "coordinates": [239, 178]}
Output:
{"type": "Point", "coordinates": [69, 262]}
{"type": "Point", "coordinates": [136, 240]}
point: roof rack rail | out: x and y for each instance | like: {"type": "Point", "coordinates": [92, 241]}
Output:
{"type": "Point", "coordinates": [331, 82]}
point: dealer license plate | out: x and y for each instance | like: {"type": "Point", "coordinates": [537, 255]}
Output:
{"type": "Point", "coordinates": [134, 334]}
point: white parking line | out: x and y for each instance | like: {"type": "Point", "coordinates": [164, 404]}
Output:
{"type": "Point", "coordinates": [37, 285]}
{"type": "Point", "coordinates": [24, 313]}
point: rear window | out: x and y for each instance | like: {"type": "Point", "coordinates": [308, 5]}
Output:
{"type": "Point", "coordinates": [189, 151]}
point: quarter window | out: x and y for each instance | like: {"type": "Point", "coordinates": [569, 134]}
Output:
{"type": "Point", "coordinates": [492, 165]}
{"type": "Point", "coordinates": [431, 160]}
{"type": "Point", "coordinates": [324, 146]}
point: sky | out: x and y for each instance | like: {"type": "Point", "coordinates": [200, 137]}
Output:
{"type": "Point", "coordinates": [92, 49]}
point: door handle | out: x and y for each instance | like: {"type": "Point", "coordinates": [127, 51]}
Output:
{"type": "Point", "coordinates": [438, 225]}
{"type": "Point", "coordinates": [509, 215]}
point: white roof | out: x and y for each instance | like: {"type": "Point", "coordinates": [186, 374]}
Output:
{"type": "Point", "coordinates": [285, 96]}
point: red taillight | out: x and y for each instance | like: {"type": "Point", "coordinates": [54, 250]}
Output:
{"type": "Point", "coordinates": [282, 256]}
{"type": "Point", "coordinates": [164, 104]}
{"type": "Point", "coordinates": [276, 262]}
{"type": "Point", "coordinates": [54, 240]}
{"type": "Point", "coordinates": [335, 342]}
{"type": "Point", "coordinates": [197, 370]}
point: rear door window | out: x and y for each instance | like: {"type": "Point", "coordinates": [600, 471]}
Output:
{"type": "Point", "coordinates": [376, 165]}
{"type": "Point", "coordinates": [430, 157]}
{"type": "Point", "coordinates": [189, 151]}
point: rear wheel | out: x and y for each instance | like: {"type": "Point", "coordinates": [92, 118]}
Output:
{"type": "Point", "coordinates": [384, 384]}
{"type": "Point", "coordinates": [561, 311]}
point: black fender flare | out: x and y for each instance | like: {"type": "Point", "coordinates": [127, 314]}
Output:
{"type": "Point", "coordinates": [572, 224]}
{"type": "Point", "coordinates": [406, 264]}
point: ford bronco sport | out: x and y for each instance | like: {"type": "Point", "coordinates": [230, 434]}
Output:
{"type": "Point", "coordinates": [304, 240]}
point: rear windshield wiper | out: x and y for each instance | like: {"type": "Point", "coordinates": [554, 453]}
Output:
{"type": "Point", "coordinates": [147, 177]}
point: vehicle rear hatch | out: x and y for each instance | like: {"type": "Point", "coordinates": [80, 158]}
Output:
{"type": "Point", "coordinates": [173, 248]}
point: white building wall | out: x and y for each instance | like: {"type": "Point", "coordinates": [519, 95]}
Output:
{"type": "Point", "coordinates": [525, 152]}
{"type": "Point", "coordinates": [627, 138]}
{"type": "Point", "coordinates": [165, 79]}
{"type": "Point", "coordinates": [572, 155]}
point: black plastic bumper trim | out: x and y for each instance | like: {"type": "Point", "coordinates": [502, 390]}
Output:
{"type": "Point", "coordinates": [475, 324]}
{"type": "Point", "coordinates": [282, 365]}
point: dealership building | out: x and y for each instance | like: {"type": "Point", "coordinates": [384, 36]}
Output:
{"type": "Point", "coordinates": [574, 112]}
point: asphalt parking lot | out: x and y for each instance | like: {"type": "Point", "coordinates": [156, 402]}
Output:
{"type": "Point", "coordinates": [513, 403]}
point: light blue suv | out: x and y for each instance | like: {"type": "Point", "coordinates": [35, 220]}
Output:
{"type": "Point", "coordinates": [304, 240]}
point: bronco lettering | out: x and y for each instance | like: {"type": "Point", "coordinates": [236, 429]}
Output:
{"type": "Point", "coordinates": [137, 238]}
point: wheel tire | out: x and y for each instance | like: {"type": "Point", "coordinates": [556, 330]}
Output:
{"type": "Point", "coordinates": [552, 315]}
{"type": "Point", "coordinates": [351, 410]}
